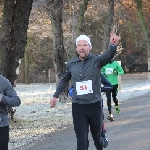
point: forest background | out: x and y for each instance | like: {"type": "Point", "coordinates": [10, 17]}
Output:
{"type": "Point", "coordinates": [130, 17]}
{"type": "Point", "coordinates": [37, 37]}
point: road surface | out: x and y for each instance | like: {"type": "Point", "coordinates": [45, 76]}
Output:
{"type": "Point", "coordinates": [129, 131]}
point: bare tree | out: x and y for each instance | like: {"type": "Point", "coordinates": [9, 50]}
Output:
{"type": "Point", "coordinates": [108, 25]}
{"type": "Point", "coordinates": [54, 9]}
{"type": "Point", "coordinates": [144, 31]}
{"type": "Point", "coordinates": [13, 37]}
{"type": "Point", "coordinates": [80, 19]}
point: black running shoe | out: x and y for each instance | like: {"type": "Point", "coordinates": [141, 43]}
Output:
{"type": "Point", "coordinates": [110, 118]}
{"type": "Point", "coordinates": [105, 142]}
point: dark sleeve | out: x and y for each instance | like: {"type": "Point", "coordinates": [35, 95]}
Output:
{"type": "Point", "coordinates": [107, 56]}
{"type": "Point", "coordinates": [107, 85]}
{"type": "Point", "coordinates": [63, 83]}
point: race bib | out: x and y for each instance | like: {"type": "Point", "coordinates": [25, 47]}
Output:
{"type": "Point", "coordinates": [109, 70]}
{"type": "Point", "coordinates": [84, 87]}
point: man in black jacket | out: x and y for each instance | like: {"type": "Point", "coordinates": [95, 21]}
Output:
{"type": "Point", "coordinates": [84, 70]}
{"type": "Point", "coordinates": [106, 87]}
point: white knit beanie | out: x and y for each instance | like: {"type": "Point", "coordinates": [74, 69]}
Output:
{"type": "Point", "coordinates": [83, 37]}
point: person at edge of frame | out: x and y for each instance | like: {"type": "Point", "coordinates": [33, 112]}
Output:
{"type": "Point", "coordinates": [86, 102]}
{"type": "Point", "coordinates": [8, 98]}
{"type": "Point", "coordinates": [111, 72]}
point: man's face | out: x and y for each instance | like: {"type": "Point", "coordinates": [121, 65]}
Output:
{"type": "Point", "coordinates": [83, 48]}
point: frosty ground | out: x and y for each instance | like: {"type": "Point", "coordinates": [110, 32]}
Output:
{"type": "Point", "coordinates": [34, 118]}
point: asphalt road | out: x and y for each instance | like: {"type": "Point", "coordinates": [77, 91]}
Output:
{"type": "Point", "coordinates": [129, 131]}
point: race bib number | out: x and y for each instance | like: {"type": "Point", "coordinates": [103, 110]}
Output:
{"type": "Point", "coordinates": [84, 87]}
{"type": "Point", "coordinates": [109, 70]}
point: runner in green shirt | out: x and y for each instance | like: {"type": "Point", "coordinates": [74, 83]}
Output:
{"type": "Point", "coordinates": [111, 72]}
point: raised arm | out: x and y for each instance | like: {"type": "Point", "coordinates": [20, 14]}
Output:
{"type": "Point", "coordinates": [114, 39]}
{"type": "Point", "coordinates": [109, 54]}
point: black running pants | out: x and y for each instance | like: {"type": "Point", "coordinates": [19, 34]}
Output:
{"type": "Point", "coordinates": [112, 93]}
{"type": "Point", "coordinates": [4, 137]}
{"type": "Point", "coordinates": [83, 116]}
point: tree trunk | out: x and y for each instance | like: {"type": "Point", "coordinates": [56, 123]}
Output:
{"type": "Point", "coordinates": [22, 70]}
{"type": "Point", "coordinates": [144, 32]}
{"type": "Point", "coordinates": [13, 36]}
{"type": "Point", "coordinates": [79, 26]}
{"type": "Point", "coordinates": [26, 66]}
{"type": "Point", "coordinates": [108, 25]}
{"type": "Point", "coordinates": [54, 8]}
